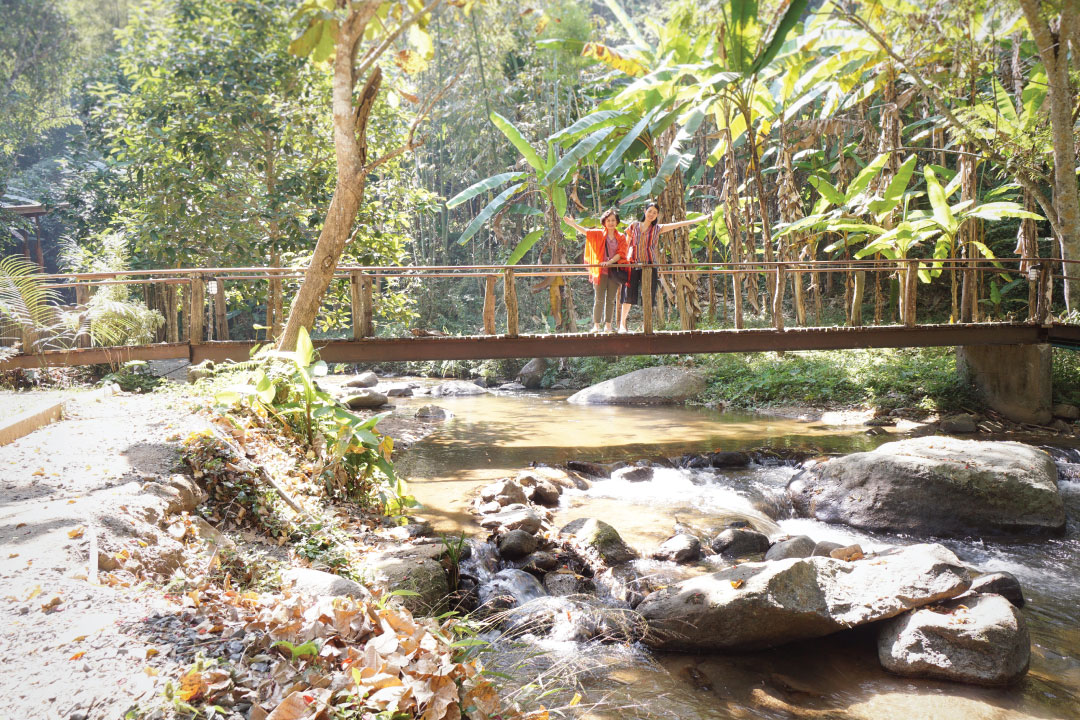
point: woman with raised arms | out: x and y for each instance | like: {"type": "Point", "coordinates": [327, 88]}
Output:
{"type": "Point", "coordinates": [643, 242]}
{"type": "Point", "coordinates": [605, 247]}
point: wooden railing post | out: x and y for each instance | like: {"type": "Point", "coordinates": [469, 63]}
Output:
{"type": "Point", "coordinates": [361, 303]}
{"type": "Point", "coordinates": [82, 299]}
{"type": "Point", "coordinates": [647, 299]}
{"type": "Point", "coordinates": [857, 298]}
{"type": "Point", "coordinates": [1045, 290]}
{"type": "Point", "coordinates": [220, 312]}
{"type": "Point", "coordinates": [778, 299]}
{"type": "Point", "coordinates": [510, 295]}
{"type": "Point", "coordinates": [1033, 275]}
{"type": "Point", "coordinates": [367, 306]}
{"type": "Point", "coordinates": [197, 314]}
{"type": "Point", "coordinates": [489, 305]}
{"type": "Point", "coordinates": [911, 280]}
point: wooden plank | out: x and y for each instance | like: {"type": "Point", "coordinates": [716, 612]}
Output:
{"type": "Point", "coordinates": [510, 298]}
{"type": "Point", "coordinates": [99, 356]}
{"type": "Point", "coordinates": [277, 306]}
{"type": "Point", "coordinates": [172, 321]}
{"type": "Point", "coordinates": [489, 305]}
{"type": "Point", "coordinates": [221, 315]}
{"type": "Point", "coordinates": [482, 347]}
{"type": "Point", "coordinates": [197, 315]}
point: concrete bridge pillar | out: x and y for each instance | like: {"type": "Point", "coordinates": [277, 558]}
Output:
{"type": "Point", "coordinates": [1014, 380]}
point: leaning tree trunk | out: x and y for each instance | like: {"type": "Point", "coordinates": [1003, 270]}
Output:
{"type": "Point", "coordinates": [350, 149]}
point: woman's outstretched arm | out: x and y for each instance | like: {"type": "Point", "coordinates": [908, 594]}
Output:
{"type": "Point", "coordinates": [668, 227]}
{"type": "Point", "coordinates": [570, 221]}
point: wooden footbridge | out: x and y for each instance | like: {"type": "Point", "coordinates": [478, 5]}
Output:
{"type": "Point", "coordinates": [196, 313]}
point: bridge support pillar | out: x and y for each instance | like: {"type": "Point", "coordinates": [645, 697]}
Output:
{"type": "Point", "coordinates": [1014, 380]}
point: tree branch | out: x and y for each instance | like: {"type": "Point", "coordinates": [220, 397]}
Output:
{"type": "Point", "coordinates": [373, 54]}
{"type": "Point", "coordinates": [412, 143]}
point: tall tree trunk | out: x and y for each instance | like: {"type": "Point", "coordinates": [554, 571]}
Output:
{"type": "Point", "coordinates": [1052, 50]}
{"type": "Point", "coordinates": [350, 149]}
{"type": "Point", "coordinates": [672, 202]}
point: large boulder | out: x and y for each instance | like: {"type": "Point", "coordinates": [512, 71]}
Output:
{"type": "Point", "coordinates": [533, 373]}
{"type": "Point", "coordinates": [680, 548]}
{"type": "Point", "coordinates": [514, 517]}
{"type": "Point", "coordinates": [936, 486]}
{"type": "Point", "coordinates": [759, 605]}
{"type": "Point", "coordinates": [307, 581]}
{"type": "Point", "coordinates": [410, 567]}
{"type": "Point", "coordinates": [982, 640]}
{"type": "Point", "coordinates": [735, 543]}
{"type": "Point", "coordinates": [457, 388]}
{"type": "Point", "coordinates": [504, 492]}
{"type": "Point", "coordinates": [999, 583]}
{"type": "Point", "coordinates": [796, 547]}
{"type": "Point", "coordinates": [650, 386]}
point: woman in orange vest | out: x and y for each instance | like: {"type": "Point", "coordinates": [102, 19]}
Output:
{"type": "Point", "coordinates": [605, 247]}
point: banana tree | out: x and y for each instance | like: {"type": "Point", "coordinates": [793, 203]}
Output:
{"type": "Point", "coordinates": [547, 179]}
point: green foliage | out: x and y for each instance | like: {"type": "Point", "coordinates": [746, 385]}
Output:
{"type": "Point", "coordinates": [133, 376]}
{"type": "Point", "coordinates": [24, 299]}
{"type": "Point", "coordinates": [356, 459]}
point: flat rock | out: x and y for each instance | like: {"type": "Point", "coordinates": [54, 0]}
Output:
{"type": "Point", "coordinates": [306, 581]}
{"type": "Point", "coordinates": [364, 398]}
{"type": "Point", "coordinates": [544, 492]}
{"type": "Point", "coordinates": [936, 486]}
{"type": "Point", "coordinates": [363, 380]}
{"type": "Point", "coordinates": [510, 588]}
{"type": "Point", "coordinates": [598, 538]}
{"type": "Point", "coordinates": [759, 605]}
{"type": "Point", "coordinates": [514, 517]}
{"type": "Point", "coordinates": [563, 479]}
{"type": "Point", "coordinates": [539, 562]}
{"type": "Point", "coordinates": [649, 386]}
{"type": "Point", "coordinates": [511, 387]}
{"type": "Point", "coordinates": [457, 388]}
{"type": "Point", "coordinates": [824, 548]}
{"type": "Point", "coordinates": [561, 584]}
{"type": "Point", "coordinates": [982, 640]}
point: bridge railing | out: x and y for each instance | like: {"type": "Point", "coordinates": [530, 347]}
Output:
{"type": "Point", "coordinates": [196, 311]}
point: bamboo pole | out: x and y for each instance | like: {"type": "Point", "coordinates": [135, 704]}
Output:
{"type": "Point", "coordinates": [489, 305]}
{"type": "Point", "coordinates": [510, 295]}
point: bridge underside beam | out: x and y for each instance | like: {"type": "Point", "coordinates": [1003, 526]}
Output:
{"type": "Point", "coordinates": [529, 346]}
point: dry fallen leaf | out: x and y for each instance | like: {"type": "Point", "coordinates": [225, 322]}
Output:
{"type": "Point", "coordinates": [38, 472]}
{"type": "Point", "coordinates": [736, 584]}
{"type": "Point", "coordinates": [192, 686]}
{"type": "Point", "coordinates": [76, 533]}
{"type": "Point", "coordinates": [151, 652]}
{"type": "Point", "coordinates": [77, 655]}
{"type": "Point", "coordinates": [151, 671]}
{"type": "Point", "coordinates": [51, 603]}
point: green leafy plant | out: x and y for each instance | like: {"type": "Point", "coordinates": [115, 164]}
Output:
{"type": "Point", "coordinates": [133, 376]}
{"type": "Point", "coordinates": [355, 457]}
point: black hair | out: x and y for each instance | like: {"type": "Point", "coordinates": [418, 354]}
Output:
{"type": "Point", "coordinates": [651, 203]}
{"type": "Point", "coordinates": [609, 211]}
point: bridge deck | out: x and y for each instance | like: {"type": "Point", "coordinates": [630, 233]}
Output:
{"type": "Point", "coordinates": [482, 347]}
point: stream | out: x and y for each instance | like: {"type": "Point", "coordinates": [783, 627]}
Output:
{"type": "Point", "coordinates": [494, 435]}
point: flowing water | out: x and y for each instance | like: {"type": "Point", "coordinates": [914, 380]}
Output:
{"type": "Point", "coordinates": [493, 436]}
